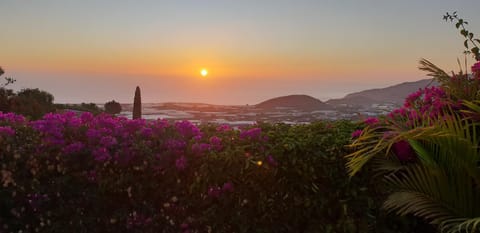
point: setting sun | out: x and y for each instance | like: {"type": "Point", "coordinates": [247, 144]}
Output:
{"type": "Point", "coordinates": [204, 72]}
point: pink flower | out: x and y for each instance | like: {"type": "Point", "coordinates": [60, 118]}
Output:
{"type": "Point", "coordinates": [7, 130]}
{"type": "Point", "coordinates": [403, 151]}
{"type": "Point", "coordinates": [216, 143]}
{"type": "Point", "coordinates": [101, 154]}
{"type": "Point", "coordinates": [476, 67]}
{"type": "Point", "coordinates": [108, 141]}
{"type": "Point", "coordinates": [181, 163]}
{"type": "Point", "coordinates": [200, 148]}
{"type": "Point", "coordinates": [272, 161]}
{"type": "Point", "coordinates": [223, 128]}
{"type": "Point", "coordinates": [73, 148]}
{"type": "Point", "coordinates": [357, 133]}
{"type": "Point", "coordinates": [252, 134]}
{"type": "Point", "coordinates": [214, 192]}
{"type": "Point", "coordinates": [227, 187]}
{"type": "Point", "coordinates": [371, 121]}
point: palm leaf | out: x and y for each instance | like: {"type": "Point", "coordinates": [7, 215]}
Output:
{"type": "Point", "coordinates": [434, 71]}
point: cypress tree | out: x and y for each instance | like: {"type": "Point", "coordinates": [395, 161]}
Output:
{"type": "Point", "coordinates": [137, 104]}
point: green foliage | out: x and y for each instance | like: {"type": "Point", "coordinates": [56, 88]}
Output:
{"type": "Point", "coordinates": [113, 107]}
{"type": "Point", "coordinates": [33, 103]}
{"type": "Point", "coordinates": [83, 107]}
{"type": "Point", "coordinates": [137, 104]}
{"type": "Point", "coordinates": [471, 43]}
{"type": "Point", "coordinates": [8, 80]}
{"type": "Point", "coordinates": [441, 184]}
{"type": "Point", "coordinates": [304, 189]}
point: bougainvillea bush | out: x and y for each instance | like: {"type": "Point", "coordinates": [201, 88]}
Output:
{"type": "Point", "coordinates": [427, 152]}
{"type": "Point", "coordinates": [69, 173]}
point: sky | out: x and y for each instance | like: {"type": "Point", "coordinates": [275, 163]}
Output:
{"type": "Point", "coordinates": [99, 50]}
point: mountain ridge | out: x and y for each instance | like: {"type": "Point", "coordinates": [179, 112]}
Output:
{"type": "Point", "coordinates": [394, 94]}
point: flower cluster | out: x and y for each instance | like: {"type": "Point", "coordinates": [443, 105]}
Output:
{"type": "Point", "coordinates": [160, 176]}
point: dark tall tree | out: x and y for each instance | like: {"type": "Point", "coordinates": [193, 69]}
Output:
{"type": "Point", "coordinates": [137, 104]}
{"type": "Point", "coordinates": [113, 107]}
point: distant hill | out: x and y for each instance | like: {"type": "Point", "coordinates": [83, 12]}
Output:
{"type": "Point", "coordinates": [301, 102]}
{"type": "Point", "coordinates": [394, 94]}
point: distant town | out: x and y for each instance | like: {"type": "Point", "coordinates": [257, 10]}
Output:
{"type": "Point", "coordinates": [292, 109]}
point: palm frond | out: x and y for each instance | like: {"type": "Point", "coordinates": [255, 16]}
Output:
{"type": "Point", "coordinates": [434, 71]}
{"type": "Point", "coordinates": [418, 204]}
{"type": "Point", "coordinates": [461, 225]}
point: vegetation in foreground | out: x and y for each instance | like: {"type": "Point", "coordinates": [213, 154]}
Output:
{"type": "Point", "coordinates": [427, 151]}
{"type": "Point", "coordinates": [108, 174]}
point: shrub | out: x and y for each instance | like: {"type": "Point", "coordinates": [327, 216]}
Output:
{"type": "Point", "coordinates": [105, 174]}
{"type": "Point", "coordinates": [113, 107]}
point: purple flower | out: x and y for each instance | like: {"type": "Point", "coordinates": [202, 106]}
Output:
{"type": "Point", "coordinates": [357, 133]}
{"type": "Point", "coordinates": [252, 134]}
{"type": "Point", "coordinates": [227, 187]}
{"type": "Point", "coordinates": [7, 130]}
{"type": "Point", "coordinates": [73, 148]}
{"type": "Point", "coordinates": [181, 163]}
{"type": "Point", "coordinates": [476, 67]}
{"type": "Point", "coordinates": [403, 151]}
{"type": "Point", "coordinates": [200, 148]}
{"type": "Point", "coordinates": [187, 129]}
{"type": "Point", "coordinates": [86, 117]}
{"type": "Point", "coordinates": [371, 121]}
{"type": "Point", "coordinates": [223, 128]}
{"type": "Point", "coordinates": [93, 134]}
{"type": "Point", "coordinates": [175, 145]}
{"type": "Point", "coordinates": [216, 143]}
{"type": "Point", "coordinates": [147, 132]}
{"type": "Point", "coordinates": [108, 141]}
{"type": "Point", "coordinates": [12, 118]}
{"type": "Point", "coordinates": [272, 161]}
{"type": "Point", "coordinates": [214, 192]}
{"type": "Point", "coordinates": [101, 154]}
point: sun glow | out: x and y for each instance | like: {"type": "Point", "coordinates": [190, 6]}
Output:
{"type": "Point", "coordinates": [204, 72]}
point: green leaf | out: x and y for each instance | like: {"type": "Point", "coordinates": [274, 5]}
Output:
{"type": "Point", "coordinates": [464, 32]}
{"type": "Point", "coordinates": [470, 35]}
{"type": "Point", "coordinates": [475, 50]}
{"type": "Point", "coordinates": [465, 43]}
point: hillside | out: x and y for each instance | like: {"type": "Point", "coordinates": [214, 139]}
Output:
{"type": "Point", "coordinates": [393, 94]}
{"type": "Point", "coordinates": [301, 102]}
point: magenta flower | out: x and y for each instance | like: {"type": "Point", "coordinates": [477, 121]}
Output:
{"type": "Point", "coordinates": [86, 117]}
{"type": "Point", "coordinates": [227, 187]}
{"type": "Point", "coordinates": [7, 131]}
{"type": "Point", "coordinates": [357, 133]}
{"type": "Point", "coordinates": [147, 132]}
{"type": "Point", "coordinates": [272, 161]}
{"type": "Point", "coordinates": [252, 134]}
{"type": "Point", "coordinates": [101, 154]}
{"type": "Point", "coordinates": [371, 121]}
{"type": "Point", "coordinates": [403, 151]}
{"type": "Point", "coordinates": [223, 128]}
{"type": "Point", "coordinates": [73, 148]}
{"type": "Point", "coordinates": [187, 129]}
{"type": "Point", "coordinates": [216, 143]}
{"type": "Point", "coordinates": [175, 145]}
{"type": "Point", "coordinates": [200, 148]}
{"type": "Point", "coordinates": [108, 141]}
{"type": "Point", "coordinates": [12, 118]}
{"type": "Point", "coordinates": [476, 68]}
{"type": "Point", "coordinates": [214, 192]}
{"type": "Point", "coordinates": [181, 163]}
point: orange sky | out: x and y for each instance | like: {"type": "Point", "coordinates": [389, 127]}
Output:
{"type": "Point", "coordinates": [253, 50]}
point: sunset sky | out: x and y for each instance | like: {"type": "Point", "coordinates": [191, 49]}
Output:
{"type": "Point", "coordinates": [96, 51]}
